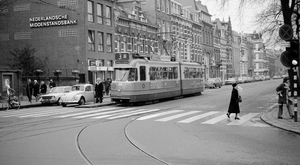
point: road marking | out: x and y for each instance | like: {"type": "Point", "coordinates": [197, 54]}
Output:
{"type": "Point", "coordinates": [41, 114]}
{"type": "Point", "coordinates": [243, 119]}
{"type": "Point", "coordinates": [135, 113]}
{"type": "Point", "coordinates": [103, 113]}
{"type": "Point", "coordinates": [27, 112]}
{"type": "Point", "coordinates": [215, 120]}
{"type": "Point", "coordinates": [189, 120]}
{"type": "Point", "coordinates": [177, 116]}
{"type": "Point", "coordinates": [77, 114]}
{"type": "Point", "coordinates": [158, 114]}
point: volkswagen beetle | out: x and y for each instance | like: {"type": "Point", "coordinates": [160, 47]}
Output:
{"type": "Point", "coordinates": [79, 94]}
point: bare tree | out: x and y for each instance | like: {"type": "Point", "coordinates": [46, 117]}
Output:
{"type": "Point", "coordinates": [276, 14]}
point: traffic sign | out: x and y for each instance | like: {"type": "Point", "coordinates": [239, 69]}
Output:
{"type": "Point", "coordinates": [286, 32]}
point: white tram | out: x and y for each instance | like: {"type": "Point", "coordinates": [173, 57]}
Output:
{"type": "Point", "coordinates": [138, 79]}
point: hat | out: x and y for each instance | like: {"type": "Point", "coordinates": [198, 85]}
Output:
{"type": "Point", "coordinates": [285, 79]}
{"type": "Point", "coordinates": [234, 85]}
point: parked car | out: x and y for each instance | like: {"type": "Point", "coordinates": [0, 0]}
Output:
{"type": "Point", "coordinates": [213, 83]}
{"type": "Point", "coordinates": [54, 95]}
{"type": "Point", "coordinates": [230, 81]}
{"type": "Point", "coordinates": [240, 80]}
{"type": "Point", "coordinates": [79, 94]}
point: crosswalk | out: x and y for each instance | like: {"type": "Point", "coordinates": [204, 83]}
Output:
{"type": "Point", "coordinates": [157, 115]}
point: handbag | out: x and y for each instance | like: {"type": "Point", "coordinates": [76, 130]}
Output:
{"type": "Point", "coordinates": [239, 99]}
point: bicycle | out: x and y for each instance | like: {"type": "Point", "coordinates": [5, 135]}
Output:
{"type": "Point", "coordinates": [11, 102]}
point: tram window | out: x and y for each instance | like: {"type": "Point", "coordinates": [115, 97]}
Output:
{"type": "Point", "coordinates": [186, 72]}
{"type": "Point", "coordinates": [132, 75]}
{"type": "Point", "coordinates": [171, 73]}
{"type": "Point", "coordinates": [165, 73]}
{"type": "Point", "coordinates": [198, 73]}
{"type": "Point", "coordinates": [152, 73]}
{"type": "Point", "coordinates": [142, 73]}
{"type": "Point", "coordinates": [126, 74]}
{"type": "Point", "coordinates": [175, 70]}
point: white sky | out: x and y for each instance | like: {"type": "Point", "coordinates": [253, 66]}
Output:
{"type": "Point", "coordinates": [243, 24]}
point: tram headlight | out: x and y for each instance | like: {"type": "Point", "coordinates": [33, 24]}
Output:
{"type": "Point", "coordinates": [120, 89]}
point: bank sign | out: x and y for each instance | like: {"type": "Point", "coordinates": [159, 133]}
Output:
{"type": "Point", "coordinates": [54, 20]}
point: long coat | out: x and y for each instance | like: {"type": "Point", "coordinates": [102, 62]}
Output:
{"type": "Point", "coordinates": [282, 89]}
{"type": "Point", "coordinates": [234, 106]}
{"type": "Point", "coordinates": [99, 90]}
{"type": "Point", "coordinates": [36, 89]}
{"type": "Point", "coordinates": [29, 88]}
{"type": "Point", "coordinates": [43, 88]}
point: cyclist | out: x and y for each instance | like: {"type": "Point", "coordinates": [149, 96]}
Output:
{"type": "Point", "coordinates": [10, 95]}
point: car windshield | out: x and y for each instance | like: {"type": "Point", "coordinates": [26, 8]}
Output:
{"type": "Point", "coordinates": [231, 79]}
{"type": "Point", "coordinates": [77, 88]}
{"type": "Point", "coordinates": [57, 90]}
{"type": "Point", "coordinates": [210, 80]}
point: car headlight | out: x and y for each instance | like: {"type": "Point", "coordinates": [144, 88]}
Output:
{"type": "Point", "coordinates": [76, 97]}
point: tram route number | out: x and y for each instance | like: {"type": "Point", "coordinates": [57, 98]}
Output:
{"type": "Point", "coordinates": [122, 58]}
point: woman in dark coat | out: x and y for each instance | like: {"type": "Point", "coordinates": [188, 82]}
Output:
{"type": "Point", "coordinates": [43, 88]}
{"type": "Point", "coordinates": [36, 89]}
{"type": "Point", "coordinates": [234, 106]}
{"type": "Point", "coordinates": [29, 88]}
{"type": "Point", "coordinates": [99, 91]}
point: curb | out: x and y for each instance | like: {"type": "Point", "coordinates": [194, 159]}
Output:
{"type": "Point", "coordinates": [267, 121]}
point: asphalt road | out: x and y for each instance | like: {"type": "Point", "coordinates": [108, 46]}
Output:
{"type": "Point", "coordinates": [190, 130]}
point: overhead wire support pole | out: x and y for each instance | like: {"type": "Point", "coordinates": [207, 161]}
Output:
{"type": "Point", "coordinates": [295, 75]}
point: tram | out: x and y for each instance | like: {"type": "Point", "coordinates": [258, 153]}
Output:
{"type": "Point", "coordinates": [140, 79]}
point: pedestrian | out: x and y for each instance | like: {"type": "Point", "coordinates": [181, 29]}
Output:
{"type": "Point", "coordinates": [43, 88]}
{"type": "Point", "coordinates": [107, 86]}
{"type": "Point", "coordinates": [235, 99]}
{"type": "Point", "coordinates": [29, 88]}
{"type": "Point", "coordinates": [283, 97]}
{"type": "Point", "coordinates": [36, 90]}
{"type": "Point", "coordinates": [99, 91]}
{"type": "Point", "coordinates": [52, 84]}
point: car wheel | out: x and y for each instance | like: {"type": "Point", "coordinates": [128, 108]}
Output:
{"type": "Point", "coordinates": [63, 104]}
{"type": "Point", "coordinates": [81, 101]}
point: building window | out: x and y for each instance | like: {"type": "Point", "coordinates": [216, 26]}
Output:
{"type": "Point", "coordinates": [158, 5]}
{"type": "Point", "coordinates": [91, 40]}
{"type": "Point", "coordinates": [163, 5]}
{"type": "Point", "coordinates": [90, 11]}
{"type": "Point", "coordinates": [108, 16]}
{"type": "Point", "coordinates": [99, 13]}
{"type": "Point", "coordinates": [100, 42]}
{"type": "Point", "coordinates": [109, 43]}
{"type": "Point", "coordinates": [129, 44]}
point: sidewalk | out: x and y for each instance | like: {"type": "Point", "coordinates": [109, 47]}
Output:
{"type": "Point", "coordinates": [288, 124]}
{"type": "Point", "coordinates": [26, 104]}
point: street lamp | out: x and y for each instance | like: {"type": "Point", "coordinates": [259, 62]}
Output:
{"type": "Point", "coordinates": [38, 72]}
{"type": "Point", "coordinates": [57, 73]}
{"type": "Point", "coordinates": [75, 73]}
